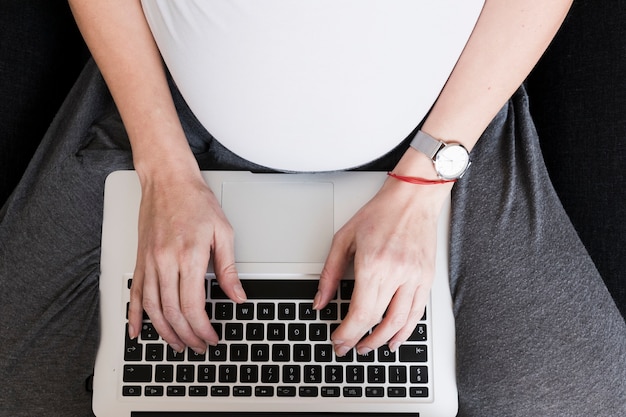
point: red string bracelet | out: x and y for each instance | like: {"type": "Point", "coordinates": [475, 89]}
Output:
{"type": "Point", "coordinates": [418, 180]}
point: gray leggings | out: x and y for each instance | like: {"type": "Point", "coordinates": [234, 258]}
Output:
{"type": "Point", "coordinates": [538, 333]}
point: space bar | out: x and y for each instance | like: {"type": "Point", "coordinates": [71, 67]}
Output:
{"type": "Point", "coordinates": [272, 289]}
{"type": "Point", "coordinates": [263, 414]}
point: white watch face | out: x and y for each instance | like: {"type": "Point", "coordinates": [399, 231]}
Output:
{"type": "Point", "coordinates": [451, 161]}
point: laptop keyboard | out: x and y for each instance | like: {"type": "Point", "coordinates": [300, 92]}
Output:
{"type": "Point", "coordinates": [276, 345]}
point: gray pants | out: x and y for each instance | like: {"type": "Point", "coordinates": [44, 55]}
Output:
{"type": "Point", "coordinates": [538, 333]}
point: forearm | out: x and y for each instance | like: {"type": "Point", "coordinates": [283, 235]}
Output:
{"type": "Point", "coordinates": [122, 45]}
{"type": "Point", "coordinates": [508, 40]}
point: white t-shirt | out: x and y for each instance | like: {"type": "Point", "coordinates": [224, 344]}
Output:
{"type": "Point", "coordinates": [311, 85]}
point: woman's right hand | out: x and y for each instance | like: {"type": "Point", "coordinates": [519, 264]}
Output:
{"type": "Point", "coordinates": [180, 225]}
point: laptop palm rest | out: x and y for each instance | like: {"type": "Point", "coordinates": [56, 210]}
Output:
{"type": "Point", "coordinates": [283, 222]}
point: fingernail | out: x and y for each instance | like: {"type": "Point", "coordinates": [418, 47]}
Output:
{"type": "Point", "coordinates": [342, 350]}
{"type": "Point", "coordinates": [131, 331]}
{"type": "Point", "coordinates": [393, 346]}
{"type": "Point", "coordinates": [240, 293]}
{"type": "Point", "coordinates": [363, 351]}
{"type": "Point", "coordinates": [178, 348]}
{"type": "Point", "coordinates": [199, 350]}
{"type": "Point", "coordinates": [316, 300]}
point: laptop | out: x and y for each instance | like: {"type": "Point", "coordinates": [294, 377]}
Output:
{"type": "Point", "coordinates": [275, 356]}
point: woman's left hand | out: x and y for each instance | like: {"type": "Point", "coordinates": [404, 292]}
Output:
{"type": "Point", "coordinates": [392, 241]}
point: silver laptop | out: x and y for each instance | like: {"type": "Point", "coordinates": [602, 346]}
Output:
{"type": "Point", "coordinates": [274, 356]}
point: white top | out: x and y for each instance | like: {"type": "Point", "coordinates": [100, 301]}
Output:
{"type": "Point", "coordinates": [311, 85]}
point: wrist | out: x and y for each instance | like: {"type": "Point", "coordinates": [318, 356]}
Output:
{"type": "Point", "coordinates": [166, 165]}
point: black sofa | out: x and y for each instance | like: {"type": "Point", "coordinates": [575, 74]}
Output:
{"type": "Point", "coordinates": [577, 96]}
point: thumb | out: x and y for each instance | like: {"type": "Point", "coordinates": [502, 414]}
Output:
{"type": "Point", "coordinates": [334, 269]}
{"type": "Point", "coordinates": [226, 271]}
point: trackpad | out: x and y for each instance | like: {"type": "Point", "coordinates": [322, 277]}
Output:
{"type": "Point", "coordinates": [280, 221]}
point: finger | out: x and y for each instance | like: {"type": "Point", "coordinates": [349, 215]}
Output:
{"type": "Point", "coordinates": [151, 303]}
{"type": "Point", "coordinates": [135, 307]}
{"type": "Point", "coordinates": [369, 301]}
{"type": "Point", "coordinates": [396, 318]}
{"type": "Point", "coordinates": [225, 267]}
{"type": "Point", "coordinates": [333, 271]}
{"type": "Point", "coordinates": [170, 306]}
{"type": "Point", "coordinates": [415, 315]}
{"type": "Point", "coordinates": [193, 299]}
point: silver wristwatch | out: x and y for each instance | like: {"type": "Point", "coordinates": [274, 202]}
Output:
{"type": "Point", "coordinates": [451, 159]}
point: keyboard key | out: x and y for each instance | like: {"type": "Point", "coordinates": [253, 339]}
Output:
{"type": "Point", "coordinates": [164, 373]}
{"type": "Point", "coordinates": [344, 310]}
{"type": "Point", "coordinates": [223, 311]}
{"type": "Point", "coordinates": [318, 332]}
{"type": "Point", "coordinates": [176, 391]}
{"type": "Point", "coordinates": [271, 289]}
{"type": "Point", "coordinates": [418, 392]}
{"type": "Point", "coordinates": [419, 334]}
{"type": "Point", "coordinates": [198, 391]}
{"type": "Point", "coordinates": [193, 356]}
{"type": "Point", "coordinates": [249, 374]}
{"type": "Point", "coordinates": [137, 373]}
{"type": "Point", "coordinates": [352, 391]}
{"type": "Point", "coordinates": [173, 355]}
{"type": "Point", "coordinates": [330, 312]}
{"type": "Point", "coordinates": [355, 374]}
{"type": "Point", "coordinates": [374, 392]}
{"type": "Point", "coordinates": [296, 332]}
{"type": "Point", "coordinates": [234, 331]}
{"type": "Point", "coordinates": [153, 391]}
{"type": "Point", "coordinates": [302, 353]}
{"type": "Point", "coordinates": [306, 312]}
{"type": "Point", "coordinates": [323, 353]}
{"type": "Point", "coordinates": [154, 353]}
{"type": "Point", "coordinates": [308, 391]}
{"type": "Point", "coordinates": [375, 374]}
{"type": "Point", "coordinates": [148, 332]}
{"type": "Point", "coordinates": [217, 353]}
{"type": "Point", "coordinates": [346, 288]}
{"type": "Point", "coordinates": [218, 329]}
{"type": "Point", "coordinates": [245, 311]}
{"type": "Point", "coordinates": [333, 374]}
{"type": "Point", "coordinates": [419, 375]}
{"type": "Point", "coordinates": [291, 374]}
{"type": "Point", "coordinates": [385, 355]}
{"type": "Point", "coordinates": [185, 373]}
{"type": "Point", "coordinates": [312, 374]}
{"type": "Point", "coordinates": [260, 353]}
{"type": "Point", "coordinates": [238, 353]}
{"type": "Point", "coordinates": [276, 332]}
{"type": "Point", "coordinates": [348, 357]}
{"type": "Point", "coordinates": [413, 353]}
{"type": "Point", "coordinates": [264, 391]}
{"type": "Point", "coordinates": [242, 391]}
{"type": "Point", "coordinates": [286, 391]}
{"type": "Point", "coordinates": [265, 311]}
{"type": "Point", "coordinates": [281, 352]}
{"type": "Point", "coordinates": [286, 311]}
{"type": "Point", "coordinates": [131, 390]}
{"type": "Point", "coordinates": [255, 331]}
{"type": "Point", "coordinates": [269, 374]}
{"type": "Point", "coordinates": [330, 392]}
{"type": "Point", "coordinates": [396, 392]}
{"type": "Point", "coordinates": [368, 357]}
{"type": "Point", "coordinates": [206, 373]}
{"type": "Point", "coordinates": [220, 391]}
{"type": "Point", "coordinates": [133, 350]}
{"type": "Point", "coordinates": [397, 374]}
{"type": "Point", "coordinates": [228, 373]}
